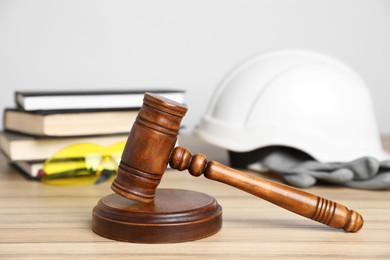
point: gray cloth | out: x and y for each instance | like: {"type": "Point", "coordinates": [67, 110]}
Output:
{"type": "Point", "coordinates": [363, 173]}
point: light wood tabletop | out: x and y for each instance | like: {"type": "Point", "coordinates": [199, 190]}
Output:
{"type": "Point", "coordinates": [39, 221]}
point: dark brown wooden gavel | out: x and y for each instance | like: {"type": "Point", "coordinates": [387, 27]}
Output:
{"type": "Point", "coordinates": [151, 146]}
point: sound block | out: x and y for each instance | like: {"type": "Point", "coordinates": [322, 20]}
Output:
{"type": "Point", "coordinates": [174, 216]}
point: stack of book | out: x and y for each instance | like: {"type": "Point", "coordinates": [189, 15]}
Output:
{"type": "Point", "coordinates": [45, 122]}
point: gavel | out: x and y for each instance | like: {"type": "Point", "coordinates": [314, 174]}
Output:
{"type": "Point", "coordinates": [151, 146]}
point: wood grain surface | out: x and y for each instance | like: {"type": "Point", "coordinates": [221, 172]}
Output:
{"type": "Point", "coordinates": [38, 221]}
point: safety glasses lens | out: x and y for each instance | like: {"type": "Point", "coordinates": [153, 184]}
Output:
{"type": "Point", "coordinates": [82, 164]}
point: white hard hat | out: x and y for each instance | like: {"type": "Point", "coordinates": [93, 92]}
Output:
{"type": "Point", "coordinates": [298, 99]}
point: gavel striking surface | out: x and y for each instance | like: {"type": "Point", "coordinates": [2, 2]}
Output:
{"type": "Point", "coordinates": [174, 216]}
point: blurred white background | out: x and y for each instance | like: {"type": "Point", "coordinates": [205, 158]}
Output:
{"type": "Point", "coordinates": [189, 45]}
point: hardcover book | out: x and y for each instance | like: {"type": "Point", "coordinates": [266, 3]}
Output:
{"type": "Point", "coordinates": [69, 122]}
{"type": "Point", "coordinates": [49, 100]}
{"type": "Point", "coordinates": [18, 147]}
{"type": "Point", "coordinates": [30, 168]}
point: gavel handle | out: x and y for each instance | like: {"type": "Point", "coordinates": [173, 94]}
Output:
{"type": "Point", "coordinates": [302, 203]}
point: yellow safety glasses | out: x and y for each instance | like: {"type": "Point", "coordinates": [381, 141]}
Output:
{"type": "Point", "coordinates": [82, 164]}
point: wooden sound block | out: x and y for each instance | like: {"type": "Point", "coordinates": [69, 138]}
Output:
{"type": "Point", "coordinates": [174, 216]}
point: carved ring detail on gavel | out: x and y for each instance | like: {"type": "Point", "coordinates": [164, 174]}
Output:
{"type": "Point", "coordinates": [150, 146]}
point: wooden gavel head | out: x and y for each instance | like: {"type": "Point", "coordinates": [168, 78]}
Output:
{"type": "Point", "coordinates": [148, 148]}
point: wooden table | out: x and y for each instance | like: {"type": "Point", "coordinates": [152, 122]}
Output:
{"type": "Point", "coordinates": [43, 222]}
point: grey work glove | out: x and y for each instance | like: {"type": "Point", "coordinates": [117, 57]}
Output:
{"type": "Point", "coordinates": [362, 173]}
